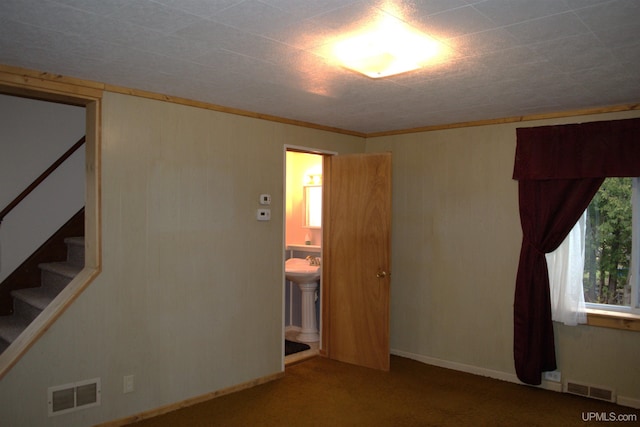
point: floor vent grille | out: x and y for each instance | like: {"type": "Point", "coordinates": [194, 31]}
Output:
{"type": "Point", "coordinates": [72, 397]}
{"type": "Point", "coordinates": [590, 391]}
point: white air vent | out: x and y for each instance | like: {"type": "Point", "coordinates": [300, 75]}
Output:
{"type": "Point", "coordinates": [590, 391]}
{"type": "Point", "coordinates": [72, 397]}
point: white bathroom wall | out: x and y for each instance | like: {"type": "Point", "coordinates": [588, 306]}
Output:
{"type": "Point", "coordinates": [34, 134]}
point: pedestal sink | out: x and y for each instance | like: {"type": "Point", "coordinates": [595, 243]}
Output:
{"type": "Point", "coordinates": [306, 276]}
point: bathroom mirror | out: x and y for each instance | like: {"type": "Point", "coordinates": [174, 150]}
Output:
{"type": "Point", "coordinates": [313, 206]}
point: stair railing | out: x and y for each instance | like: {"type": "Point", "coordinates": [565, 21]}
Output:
{"type": "Point", "coordinates": [41, 178]}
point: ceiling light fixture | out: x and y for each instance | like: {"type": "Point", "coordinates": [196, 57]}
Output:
{"type": "Point", "coordinates": [388, 48]}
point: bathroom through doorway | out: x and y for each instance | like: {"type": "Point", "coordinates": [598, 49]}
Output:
{"type": "Point", "coordinates": [302, 239]}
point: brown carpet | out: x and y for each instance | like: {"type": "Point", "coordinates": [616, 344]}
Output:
{"type": "Point", "coordinates": [322, 392]}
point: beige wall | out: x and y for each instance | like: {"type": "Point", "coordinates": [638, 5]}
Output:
{"type": "Point", "coordinates": [456, 243]}
{"type": "Point", "coordinates": [190, 299]}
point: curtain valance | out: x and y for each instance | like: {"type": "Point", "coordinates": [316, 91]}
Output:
{"type": "Point", "coordinates": [586, 150]}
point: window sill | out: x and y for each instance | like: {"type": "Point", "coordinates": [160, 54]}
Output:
{"type": "Point", "coordinates": [613, 319]}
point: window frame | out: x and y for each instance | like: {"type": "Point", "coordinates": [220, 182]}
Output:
{"type": "Point", "coordinates": [622, 316]}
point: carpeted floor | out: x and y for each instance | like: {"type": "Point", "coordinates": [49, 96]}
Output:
{"type": "Point", "coordinates": [322, 392]}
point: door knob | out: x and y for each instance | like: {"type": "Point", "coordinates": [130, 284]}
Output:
{"type": "Point", "coordinates": [381, 274]}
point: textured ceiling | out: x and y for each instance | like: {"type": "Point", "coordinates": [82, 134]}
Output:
{"type": "Point", "coordinates": [505, 57]}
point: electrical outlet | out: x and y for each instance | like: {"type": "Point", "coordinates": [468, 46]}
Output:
{"type": "Point", "coordinates": [554, 376]}
{"type": "Point", "coordinates": [127, 384]}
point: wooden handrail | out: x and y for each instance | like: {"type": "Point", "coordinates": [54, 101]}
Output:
{"type": "Point", "coordinates": [41, 178]}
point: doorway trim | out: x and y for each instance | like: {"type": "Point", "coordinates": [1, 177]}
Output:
{"type": "Point", "coordinates": [307, 150]}
{"type": "Point", "coordinates": [53, 88]}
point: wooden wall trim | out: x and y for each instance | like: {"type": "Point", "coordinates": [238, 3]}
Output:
{"type": "Point", "coordinates": [613, 319]}
{"type": "Point", "coordinates": [47, 86]}
{"type": "Point", "coordinates": [515, 119]}
{"type": "Point", "coordinates": [21, 79]}
{"type": "Point", "coordinates": [190, 402]}
{"type": "Point", "coordinates": [229, 110]}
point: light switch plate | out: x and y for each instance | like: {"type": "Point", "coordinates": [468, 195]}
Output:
{"type": "Point", "coordinates": [128, 384]}
{"type": "Point", "coordinates": [264, 214]}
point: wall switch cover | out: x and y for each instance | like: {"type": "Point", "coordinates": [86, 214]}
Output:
{"type": "Point", "coordinates": [264, 214]}
{"type": "Point", "coordinates": [127, 384]}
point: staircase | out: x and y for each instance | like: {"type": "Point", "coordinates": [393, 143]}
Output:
{"type": "Point", "coordinates": [28, 303]}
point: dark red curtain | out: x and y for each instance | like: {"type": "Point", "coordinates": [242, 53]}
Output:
{"type": "Point", "coordinates": [559, 169]}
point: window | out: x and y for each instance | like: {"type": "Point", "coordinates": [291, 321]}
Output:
{"type": "Point", "coordinates": [594, 267]}
{"type": "Point", "coordinates": [611, 254]}
{"type": "Point", "coordinates": [559, 169]}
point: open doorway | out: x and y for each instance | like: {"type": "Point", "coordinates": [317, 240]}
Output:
{"type": "Point", "coordinates": [303, 244]}
{"type": "Point", "coordinates": [35, 135]}
{"type": "Point", "coordinates": [356, 225]}
{"type": "Point", "coordinates": [19, 83]}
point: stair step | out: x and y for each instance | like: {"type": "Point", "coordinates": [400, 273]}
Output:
{"type": "Point", "coordinates": [78, 240]}
{"type": "Point", "coordinates": [75, 250]}
{"type": "Point", "coordinates": [29, 303]}
{"type": "Point", "coordinates": [62, 268]}
{"type": "Point", "coordinates": [56, 275]}
{"type": "Point", "coordinates": [11, 327]}
{"type": "Point", "coordinates": [36, 297]}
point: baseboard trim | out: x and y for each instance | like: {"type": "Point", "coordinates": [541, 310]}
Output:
{"type": "Point", "coordinates": [628, 401]}
{"type": "Point", "coordinates": [470, 369]}
{"type": "Point", "coordinates": [192, 401]}
{"type": "Point", "coordinates": [504, 376]}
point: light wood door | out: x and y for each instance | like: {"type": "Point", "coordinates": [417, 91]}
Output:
{"type": "Point", "coordinates": [356, 259]}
